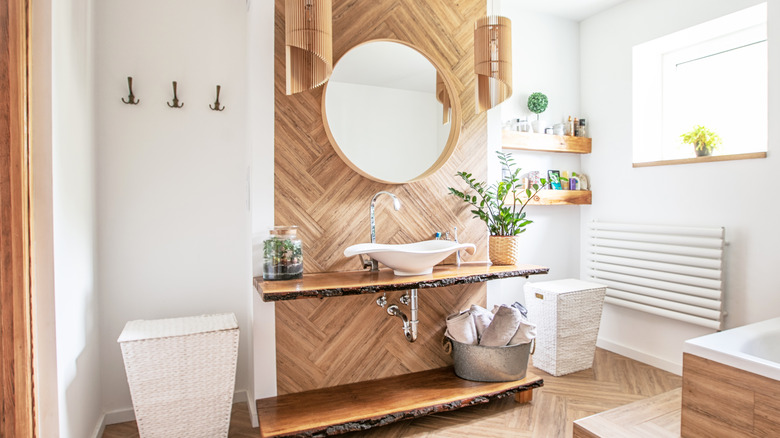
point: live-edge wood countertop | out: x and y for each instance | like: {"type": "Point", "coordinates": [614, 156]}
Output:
{"type": "Point", "coordinates": [334, 284]}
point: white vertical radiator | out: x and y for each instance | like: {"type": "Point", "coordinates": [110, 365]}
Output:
{"type": "Point", "coordinates": [674, 272]}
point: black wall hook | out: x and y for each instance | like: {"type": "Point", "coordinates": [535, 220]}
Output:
{"type": "Point", "coordinates": [131, 100]}
{"type": "Point", "coordinates": [216, 106]}
{"type": "Point", "coordinates": [175, 98]}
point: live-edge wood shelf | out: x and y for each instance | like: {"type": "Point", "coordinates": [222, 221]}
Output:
{"type": "Point", "coordinates": [363, 405]}
{"type": "Point", "coordinates": [529, 141]}
{"type": "Point", "coordinates": [333, 284]}
{"type": "Point", "coordinates": [562, 197]}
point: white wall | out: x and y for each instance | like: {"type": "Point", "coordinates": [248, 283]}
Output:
{"type": "Point", "coordinates": [74, 218]}
{"type": "Point", "coordinates": [260, 126]}
{"type": "Point", "coordinates": [731, 194]}
{"type": "Point", "coordinates": [545, 58]}
{"type": "Point", "coordinates": [173, 220]}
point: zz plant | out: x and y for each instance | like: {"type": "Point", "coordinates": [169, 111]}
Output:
{"type": "Point", "coordinates": [497, 205]}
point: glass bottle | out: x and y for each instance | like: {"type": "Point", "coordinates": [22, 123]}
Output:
{"type": "Point", "coordinates": [282, 254]}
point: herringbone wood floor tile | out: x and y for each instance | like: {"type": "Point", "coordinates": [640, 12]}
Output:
{"type": "Point", "coordinates": [613, 381]}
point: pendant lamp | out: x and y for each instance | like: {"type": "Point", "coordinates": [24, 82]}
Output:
{"type": "Point", "coordinates": [443, 97]}
{"type": "Point", "coordinates": [492, 60]}
{"type": "Point", "coordinates": [308, 40]}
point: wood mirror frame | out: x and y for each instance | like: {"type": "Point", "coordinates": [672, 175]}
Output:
{"type": "Point", "coordinates": [455, 118]}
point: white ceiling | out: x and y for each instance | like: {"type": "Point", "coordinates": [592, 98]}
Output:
{"type": "Point", "coordinates": [576, 10]}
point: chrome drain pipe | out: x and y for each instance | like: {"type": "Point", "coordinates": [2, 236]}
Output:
{"type": "Point", "coordinates": [411, 322]}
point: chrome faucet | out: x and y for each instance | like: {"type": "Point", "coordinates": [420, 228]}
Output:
{"type": "Point", "coordinates": [397, 204]}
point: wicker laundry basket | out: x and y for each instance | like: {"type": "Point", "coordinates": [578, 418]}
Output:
{"type": "Point", "coordinates": [181, 373]}
{"type": "Point", "coordinates": [567, 314]}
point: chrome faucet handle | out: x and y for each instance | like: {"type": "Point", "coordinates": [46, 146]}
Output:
{"type": "Point", "coordinates": [404, 299]}
{"type": "Point", "coordinates": [382, 301]}
{"type": "Point", "coordinates": [457, 253]}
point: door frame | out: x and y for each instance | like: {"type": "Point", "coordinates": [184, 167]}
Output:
{"type": "Point", "coordinates": [18, 411]}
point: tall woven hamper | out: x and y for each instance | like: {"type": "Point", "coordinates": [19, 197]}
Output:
{"type": "Point", "coordinates": [567, 314]}
{"type": "Point", "coordinates": [181, 373]}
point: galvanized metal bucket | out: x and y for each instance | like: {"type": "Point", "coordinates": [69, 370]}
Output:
{"type": "Point", "coordinates": [490, 364]}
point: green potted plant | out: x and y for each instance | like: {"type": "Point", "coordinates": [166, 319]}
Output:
{"type": "Point", "coordinates": [282, 254]}
{"type": "Point", "coordinates": [497, 206]}
{"type": "Point", "coordinates": [703, 140]}
{"type": "Point", "coordinates": [537, 104]}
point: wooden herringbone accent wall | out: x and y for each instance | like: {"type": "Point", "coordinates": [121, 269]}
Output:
{"type": "Point", "coordinates": [322, 343]}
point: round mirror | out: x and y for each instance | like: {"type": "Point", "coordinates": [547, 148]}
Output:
{"type": "Point", "coordinates": [389, 113]}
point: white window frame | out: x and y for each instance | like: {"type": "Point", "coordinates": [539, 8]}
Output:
{"type": "Point", "coordinates": [655, 61]}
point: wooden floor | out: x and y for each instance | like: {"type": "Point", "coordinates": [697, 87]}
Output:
{"type": "Point", "coordinates": [613, 381]}
{"type": "Point", "coordinates": [654, 417]}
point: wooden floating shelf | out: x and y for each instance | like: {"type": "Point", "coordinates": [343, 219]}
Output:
{"type": "Point", "coordinates": [562, 197]}
{"type": "Point", "coordinates": [529, 141]}
{"type": "Point", "coordinates": [364, 405]}
{"type": "Point", "coordinates": [333, 284]}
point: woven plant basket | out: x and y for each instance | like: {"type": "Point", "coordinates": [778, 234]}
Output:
{"type": "Point", "coordinates": [504, 250]}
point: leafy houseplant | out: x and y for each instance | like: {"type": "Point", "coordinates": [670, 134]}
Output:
{"type": "Point", "coordinates": [494, 206]}
{"type": "Point", "coordinates": [537, 104]}
{"type": "Point", "coordinates": [703, 140]}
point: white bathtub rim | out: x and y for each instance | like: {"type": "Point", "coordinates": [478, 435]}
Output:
{"type": "Point", "coordinates": [726, 347]}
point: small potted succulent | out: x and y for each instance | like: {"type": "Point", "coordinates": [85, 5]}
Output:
{"type": "Point", "coordinates": [703, 140]}
{"type": "Point", "coordinates": [501, 206]}
{"type": "Point", "coordinates": [537, 104]}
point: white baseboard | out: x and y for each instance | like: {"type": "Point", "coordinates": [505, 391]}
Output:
{"type": "Point", "coordinates": [244, 396]}
{"type": "Point", "coordinates": [666, 365]}
{"type": "Point", "coordinates": [125, 415]}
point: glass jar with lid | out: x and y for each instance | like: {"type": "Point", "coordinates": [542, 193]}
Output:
{"type": "Point", "coordinates": [282, 254]}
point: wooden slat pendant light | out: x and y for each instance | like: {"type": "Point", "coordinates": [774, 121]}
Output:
{"type": "Point", "coordinates": [308, 43]}
{"type": "Point", "coordinates": [443, 97]}
{"type": "Point", "coordinates": [492, 60]}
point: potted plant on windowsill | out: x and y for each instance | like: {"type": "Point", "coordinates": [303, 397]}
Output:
{"type": "Point", "coordinates": [703, 140]}
{"type": "Point", "coordinates": [497, 205]}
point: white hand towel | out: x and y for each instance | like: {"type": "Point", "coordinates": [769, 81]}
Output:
{"type": "Point", "coordinates": [482, 318]}
{"type": "Point", "coordinates": [461, 327]}
{"type": "Point", "coordinates": [525, 332]}
{"type": "Point", "coordinates": [503, 328]}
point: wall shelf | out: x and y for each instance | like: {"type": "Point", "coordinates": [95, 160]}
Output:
{"type": "Point", "coordinates": [332, 284]}
{"type": "Point", "coordinates": [529, 141]}
{"type": "Point", "coordinates": [562, 197]}
{"type": "Point", "coordinates": [364, 405]}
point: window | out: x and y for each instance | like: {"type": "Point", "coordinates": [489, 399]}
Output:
{"type": "Point", "coordinates": [712, 75]}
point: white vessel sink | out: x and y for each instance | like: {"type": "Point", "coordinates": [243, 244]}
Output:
{"type": "Point", "coordinates": [410, 258]}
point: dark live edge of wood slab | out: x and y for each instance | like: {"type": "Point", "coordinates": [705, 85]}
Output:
{"type": "Point", "coordinates": [364, 405]}
{"type": "Point", "coordinates": [334, 284]}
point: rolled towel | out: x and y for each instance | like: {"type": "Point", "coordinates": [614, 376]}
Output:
{"type": "Point", "coordinates": [482, 318]}
{"type": "Point", "coordinates": [461, 327]}
{"type": "Point", "coordinates": [525, 332]}
{"type": "Point", "coordinates": [503, 328]}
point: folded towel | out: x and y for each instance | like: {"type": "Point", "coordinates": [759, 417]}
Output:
{"type": "Point", "coordinates": [461, 327]}
{"type": "Point", "coordinates": [504, 326]}
{"type": "Point", "coordinates": [525, 332]}
{"type": "Point", "coordinates": [482, 318]}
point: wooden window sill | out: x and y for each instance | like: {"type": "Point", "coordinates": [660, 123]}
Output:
{"type": "Point", "coordinates": [709, 159]}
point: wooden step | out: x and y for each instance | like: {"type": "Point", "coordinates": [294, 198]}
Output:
{"type": "Point", "coordinates": [363, 405]}
{"type": "Point", "coordinates": [654, 417]}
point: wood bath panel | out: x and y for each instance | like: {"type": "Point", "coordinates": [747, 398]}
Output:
{"type": "Point", "coordinates": [322, 343]}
